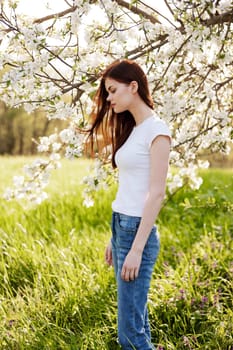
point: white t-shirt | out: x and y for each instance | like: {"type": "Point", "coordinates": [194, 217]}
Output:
{"type": "Point", "coordinates": [133, 162]}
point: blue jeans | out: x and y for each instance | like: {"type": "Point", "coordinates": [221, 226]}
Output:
{"type": "Point", "coordinates": [133, 321]}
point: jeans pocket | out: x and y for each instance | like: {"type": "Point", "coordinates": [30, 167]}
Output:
{"type": "Point", "coordinates": [126, 230]}
{"type": "Point", "coordinates": [128, 223]}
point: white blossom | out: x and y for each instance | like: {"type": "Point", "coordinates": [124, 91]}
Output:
{"type": "Point", "coordinates": [44, 144]}
{"type": "Point", "coordinates": [18, 180]}
{"type": "Point", "coordinates": [88, 202]}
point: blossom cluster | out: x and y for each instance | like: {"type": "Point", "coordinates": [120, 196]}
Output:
{"type": "Point", "coordinates": [102, 177]}
{"type": "Point", "coordinates": [31, 185]}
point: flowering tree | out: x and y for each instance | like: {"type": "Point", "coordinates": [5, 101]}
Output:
{"type": "Point", "coordinates": [55, 62]}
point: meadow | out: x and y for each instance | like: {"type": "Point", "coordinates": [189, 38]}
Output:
{"type": "Point", "coordinates": [57, 293]}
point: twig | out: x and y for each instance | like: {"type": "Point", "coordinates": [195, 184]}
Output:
{"type": "Point", "coordinates": [137, 11]}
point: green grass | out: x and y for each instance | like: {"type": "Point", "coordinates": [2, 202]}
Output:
{"type": "Point", "coordinates": [57, 293]}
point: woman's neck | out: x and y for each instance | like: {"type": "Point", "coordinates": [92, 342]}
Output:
{"type": "Point", "coordinates": [141, 112]}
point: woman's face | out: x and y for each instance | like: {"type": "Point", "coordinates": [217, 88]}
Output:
{"type": "Point", "coordinates": [120, 95]}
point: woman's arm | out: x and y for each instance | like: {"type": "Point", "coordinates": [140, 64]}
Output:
{"type": "Point", "coordinates": [108, 254]}
{"type": "Point", "coordinates": [159, 159]}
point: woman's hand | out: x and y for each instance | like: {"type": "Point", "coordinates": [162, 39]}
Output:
{"type": "Point", "coordinates": [108, 254]}
{"type": "Point", "coordinates": [131, 266]}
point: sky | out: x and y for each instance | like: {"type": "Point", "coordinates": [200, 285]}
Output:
{"type": "Point", "coordinates": [38, 9]}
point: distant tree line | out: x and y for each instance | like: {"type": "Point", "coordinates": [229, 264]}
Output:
{"type": "Point", "coordinates": [19, 131]}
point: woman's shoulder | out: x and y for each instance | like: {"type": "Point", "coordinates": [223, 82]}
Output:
{"type": "Point", "coordinates": [155, 127]}
{"type": "Point", "coordinates": [156, 122]}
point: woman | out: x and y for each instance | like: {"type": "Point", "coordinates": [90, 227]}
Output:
{"type": "Point", "coordinates": [140, 143]}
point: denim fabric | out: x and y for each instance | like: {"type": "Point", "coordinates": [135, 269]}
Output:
{"type": "Point", "coordinates": [133, 322]}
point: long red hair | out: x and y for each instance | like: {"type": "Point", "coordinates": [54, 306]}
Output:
{"type": "Point", "coordinates": [115, 128]}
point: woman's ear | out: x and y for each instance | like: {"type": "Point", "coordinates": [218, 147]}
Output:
{"type": "Point", "coordinates": [134, 86]}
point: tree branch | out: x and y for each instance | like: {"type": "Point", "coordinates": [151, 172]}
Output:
{"type": "Point", "coordinates": [158, 13]}
{"type": "Point", "coordinates": [218, 86]}
{"type": "Point", "coordinates": [226, 17]}
{"type": "Point", "coordinates": [122, 3]}
{"type": "Point", "coordinates": [171, 60]}
{"type": "Point", "coordinates": [137, 11]}
{"type": "Point", "coordinates": [55, 15]}
{"type": "Point", "coordinates": [155, 44]}
{"type": "Point", "coordinates": [193, 138]}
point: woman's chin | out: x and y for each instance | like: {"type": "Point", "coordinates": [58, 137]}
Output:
{"type": "Point", "coordinates": [118, 110]}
